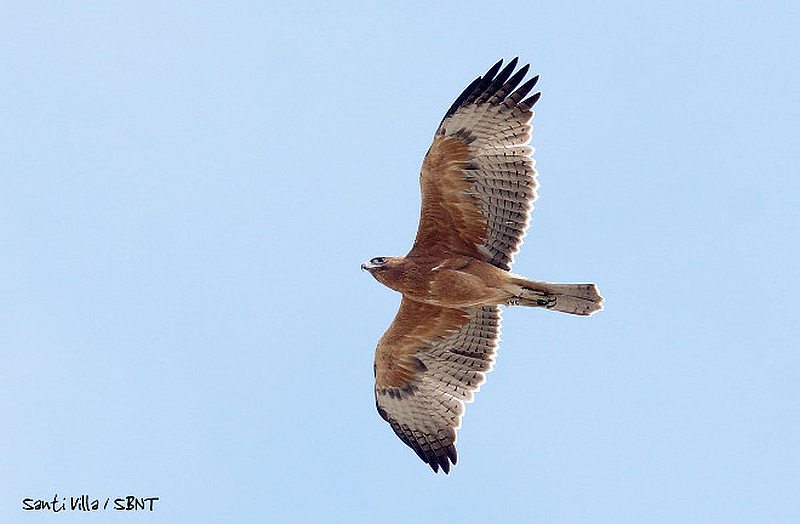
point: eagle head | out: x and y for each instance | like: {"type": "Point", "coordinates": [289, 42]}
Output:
{"type": "Point", "coordinates": [375, 264]}
{"type": "Point", "coordinates": [385, 269]}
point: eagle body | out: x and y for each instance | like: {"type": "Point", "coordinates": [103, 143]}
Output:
{"type": "Point", "coordinates": [455, 281]}
{"type": "Point", "coordinates": [478, 185]}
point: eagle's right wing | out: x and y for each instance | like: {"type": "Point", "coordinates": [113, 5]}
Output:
{"type": "Point", "coordinates": [427, 365]}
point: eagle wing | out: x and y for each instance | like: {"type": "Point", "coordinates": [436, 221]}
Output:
{"type": "Point", "coordinates": [478, 180]}
{"type": "Point", "coordinates": [427, 365]}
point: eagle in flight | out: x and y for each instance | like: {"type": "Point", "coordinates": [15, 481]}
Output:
{"type": "Point", "coordinates": [478, 186]}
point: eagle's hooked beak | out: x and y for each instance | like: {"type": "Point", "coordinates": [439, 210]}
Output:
{"type": "Point", "coordinates": [364, 267]}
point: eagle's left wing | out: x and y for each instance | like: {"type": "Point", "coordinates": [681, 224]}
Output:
{"type": "Point", "coordinates": [477, 180]}
{"type": "Point", "coordinates": [427, 365]}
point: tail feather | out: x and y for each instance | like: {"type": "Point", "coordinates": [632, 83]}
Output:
{"type": "Point", "coordinates": [575, 299]}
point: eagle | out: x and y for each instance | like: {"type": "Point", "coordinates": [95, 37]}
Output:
{"type": "Point", "coordinates": [478, 186]}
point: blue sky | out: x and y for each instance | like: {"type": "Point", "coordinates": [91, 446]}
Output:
{"type": "Point", "coordinates": [187, 191]}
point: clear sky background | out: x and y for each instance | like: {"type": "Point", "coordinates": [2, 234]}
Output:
{"type": "Point", "coordinates": [187, 191]}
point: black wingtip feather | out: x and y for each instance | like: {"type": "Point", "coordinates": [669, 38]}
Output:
{"type": "Point", "coordinates": [437, 462]}
{"type": "Point", "coordinates": [502, 84]}
{"type": "Point", "coordinates": [452, 454]}
{"type": "Point", "coordinates": [493, 70]}
{"type": "Point", "coordinates": [506, 72]}
{"type": "Point", "coordinates": [531, 100]}
{"type": "Point", "coordinates": [494, 87]}
{"type": "Point", "coordinates": [515, 80]}
{"type": "Point", "coordinates": [524, 89]}
{"type": "Point", "coordinates": [474, 90]}
{"type": "Point", "coordinates": [487, 81]}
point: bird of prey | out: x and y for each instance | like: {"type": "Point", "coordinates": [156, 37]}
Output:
{"type": "Point", "coordinates": [478, 186]}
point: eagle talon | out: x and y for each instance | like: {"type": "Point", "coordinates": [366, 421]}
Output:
{"type": "Point", "coordinates": [548, 301]}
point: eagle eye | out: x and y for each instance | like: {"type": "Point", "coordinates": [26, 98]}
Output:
{"type": "Point", "coordinates": [378, 261]}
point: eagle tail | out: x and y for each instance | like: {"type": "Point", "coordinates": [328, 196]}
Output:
{"type": "Point", "coordinates": [575, 299]}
